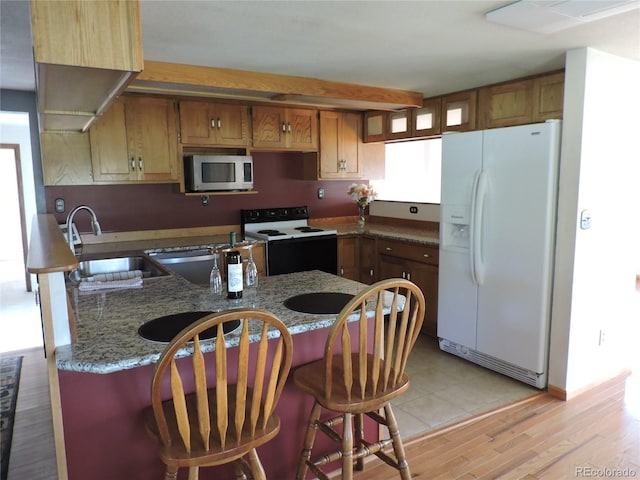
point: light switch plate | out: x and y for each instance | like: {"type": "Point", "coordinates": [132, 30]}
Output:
{"type": "Point", "coordinates": [585, 219]}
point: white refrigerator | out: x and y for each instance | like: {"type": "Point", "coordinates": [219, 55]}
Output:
{"type": "Point", "coordinates": [497, 245]}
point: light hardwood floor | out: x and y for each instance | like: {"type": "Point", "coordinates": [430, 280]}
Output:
{"type": "Point", "coordinates": [595, 435]}
{"type": "Point", "coordinates": [32, 452]}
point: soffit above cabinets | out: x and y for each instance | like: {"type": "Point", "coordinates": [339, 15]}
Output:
{"type": "Point", "coordinates": [177, 79]}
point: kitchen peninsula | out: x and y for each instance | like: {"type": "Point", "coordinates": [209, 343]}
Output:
{"type": "Point", "coordinates": [103, 378]}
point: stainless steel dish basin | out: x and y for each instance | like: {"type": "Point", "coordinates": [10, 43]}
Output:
{"type": "Point", "coordinates": [91, 267]}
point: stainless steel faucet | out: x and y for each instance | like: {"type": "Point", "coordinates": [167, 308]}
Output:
{"type": "Point", "coordinates": [95, 226]}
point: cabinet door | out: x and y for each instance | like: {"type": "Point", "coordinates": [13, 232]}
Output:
{"type": "Point", "coordinates": [66, 158]}
{"type": "Point", "coordinates": [392, 267]}
{"type": "Point", "coordinates": [330, 154]}
{"type": "Point", "coordinates": [426, 278]}
{"type": "Point", "coordinates": [368, 260]}
{"type": "Point", "coordinates": [232, 124]}
{"type": "Point", "coordinates": [302, 129]}
{"type": "Point", "coordinates": [426, 119]}
{"type": "Point", "coordinates": [374, 126]}
{"type": "Point", "coordinates": [109, 156]}
{"type": "Point", "coordinates": [548, 97]}
{"type": "Point", "coordinates": [152, 138]}
{"type": "Point", "coordinates": [197, 123]}
{"type": "Point", "coordinates": [269, 127]}
{"type": "Point", "coordinates": [348, 257]}
{"type": "Point", "coordinates": [340, 145]}
{"type": "Point", "coordinates": [506, 104]}
{"type": "Point", "coordinates": [459, 111]}
{"type": "Point", "coordinates": [399, 124]}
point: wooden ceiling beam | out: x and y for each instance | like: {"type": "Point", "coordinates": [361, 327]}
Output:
{"type": "Point", "coordinates": [271, 85]}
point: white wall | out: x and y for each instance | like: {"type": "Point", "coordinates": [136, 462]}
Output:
{"type": "Point", "coordinates": [595, 268]}
{"type": "Point", "coordinates": [14, 129]}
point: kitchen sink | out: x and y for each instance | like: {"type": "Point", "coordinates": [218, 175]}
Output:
{"type": "Point", "coordinates": [91, 267]}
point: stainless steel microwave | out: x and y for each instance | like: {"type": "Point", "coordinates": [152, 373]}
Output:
{"type": "Point", "coordinates": [206, 173]}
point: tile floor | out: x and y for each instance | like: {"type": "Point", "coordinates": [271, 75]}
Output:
{"type": "Point", "coordinates": [445, 389]}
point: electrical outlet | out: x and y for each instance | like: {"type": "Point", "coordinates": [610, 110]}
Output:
{"type": "Point", "coordinates": [601, 338]}
{"type": "Point", "coordinates": [59, 205]}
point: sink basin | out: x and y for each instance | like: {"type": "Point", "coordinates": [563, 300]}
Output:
{"type": "Point", "coordinates": [91, 267]}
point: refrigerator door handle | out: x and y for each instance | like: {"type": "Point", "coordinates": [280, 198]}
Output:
{"type": "Point", "coordinates": [472, 227]}
{"type": "Point", "coordinates": [478, 222]}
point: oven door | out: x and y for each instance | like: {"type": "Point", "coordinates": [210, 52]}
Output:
{"type": "Point", "coordinates": [302, 254]}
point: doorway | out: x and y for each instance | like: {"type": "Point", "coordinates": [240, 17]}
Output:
{"type": "Point", "coordinates": [13, 244]}
{"type": "Point", "coordinates": [19, 314]}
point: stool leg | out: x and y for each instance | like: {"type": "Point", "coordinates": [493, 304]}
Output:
{"type": "Point", "coordinates": [257, 471]}
{"type": "Point", "coordinates": [359, 431]}
{"type": "Point", "coordinates": [347, 447]}
{"type": "Point", "coordinates": [398, 447]}
{"type": "Point", "coordinates": [309, 439]}
{"type": "Point", "coordinates": [193, 473]}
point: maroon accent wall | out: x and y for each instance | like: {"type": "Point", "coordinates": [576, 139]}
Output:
{"type": "Point", "coordinates": [278, 179]}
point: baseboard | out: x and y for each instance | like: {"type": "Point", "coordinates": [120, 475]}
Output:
{"type": "Point", "coordinates": [563, 394]}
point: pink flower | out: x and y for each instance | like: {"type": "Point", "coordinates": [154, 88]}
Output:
{"type": "Point", "coordinates": [362, 193]}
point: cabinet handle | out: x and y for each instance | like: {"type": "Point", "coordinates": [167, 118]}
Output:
{"type": "Point", "coordinates": [289, 127]}
{"type": "Point", "coordinates": [409, 276]}
{"type": "Point", "coordinates": [371, 273]}
{"type": "Point", "coordinates": [342, 271]}
{"type": "Point", "coordinates": [133, 164]}
{"type": "Point", "coordinates": [388, 249]}
{"type": "Point", "coordinates": [219, 123]}
{"type": "Point", "coordinates": [426, 255]}
{"type": "Point", "coordinates": [213, 123]}
{"type": "Point", "coordinates": [140, 163]}
{"type": "Point", "coordinates": [284, 127]}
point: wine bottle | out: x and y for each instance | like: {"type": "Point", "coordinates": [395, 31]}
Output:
{"type": "Point", "coordinates": [234, 274]}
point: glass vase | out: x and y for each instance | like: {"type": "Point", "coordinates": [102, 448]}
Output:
{"type": "Point", "coordinates": [361, 216]}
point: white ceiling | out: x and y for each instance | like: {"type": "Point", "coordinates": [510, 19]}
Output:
{"type": "Point", "coordinates": [428, 46]}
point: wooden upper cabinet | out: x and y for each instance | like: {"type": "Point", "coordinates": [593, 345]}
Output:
{"type": "Point", "coordinates": [507, 104]}
{"type": "Point", "coordinates": [136, 140]}
{"type": "Point", "coordinates": [66, 158]}
{"type": "Point", "coordinates": [426, 120]}
{"type": "Point", "coordinates": [281, 128]}
{"type": "Point", "coordinates": [214, 124]}
{"type": "Point", "coordinates": [548, 97]}
{"type": "Point", "coordinates": [85, 53]}
{"type": "Point", "coordinates": [399, 124]}
{"type": "Point", "coordinates": [459, 111]}
{"type": "Point", "coordinates": [342, 153]}
{"type": "Point", "coordinates": [340, 145]}
{"type": "Point", "coordinates": [375, 123]}
{"type": "Point", "coordinates": [520, 102]}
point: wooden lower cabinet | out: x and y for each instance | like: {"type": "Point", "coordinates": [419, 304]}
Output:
{"type": "Point", "coordinates": [367, 257]}
{"type": "Point", "coordinates": [348, 257]}
{"type": "Point", "coordinates": [417, 263]}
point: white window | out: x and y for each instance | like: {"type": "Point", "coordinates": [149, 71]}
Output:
{"type": "Point", "coordinates": [412, 172]}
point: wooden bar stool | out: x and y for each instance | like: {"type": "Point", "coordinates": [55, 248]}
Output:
{"type": "Point", "coordinates": [361, 375]}
{"type": "Point", "coordinates": [221, 423]}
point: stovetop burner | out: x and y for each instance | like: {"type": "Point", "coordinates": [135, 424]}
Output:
{"type": "Point", "coordinates": [308, 229]}
{"type": "Point", "coordinates": [271, 233]}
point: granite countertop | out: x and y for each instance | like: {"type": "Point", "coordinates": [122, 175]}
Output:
{"type": "Point", "coordinates": [107, 321]}
{"type": "Point", "coordinates": [384, 230]}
